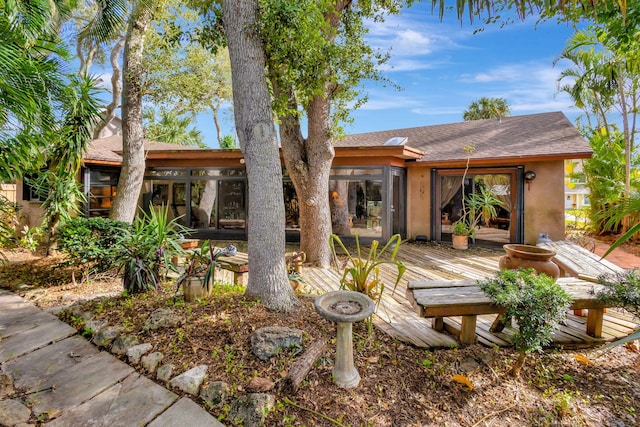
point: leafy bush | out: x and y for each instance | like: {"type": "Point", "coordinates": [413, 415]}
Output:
{"type": "Point", "coordinates": [91, 243]}
{"type": "Point", "coordinates": [9, 222]}
{"type": "Point", "coordinates": [622, 290]}
{"type": "Point", "coordinates": [147, 250]}
{"type": "Point", "coordinates": [537, 303]}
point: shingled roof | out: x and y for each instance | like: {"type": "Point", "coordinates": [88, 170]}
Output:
{"type": "Point", "coordinates": [518, 137]}
{"type": "Point", "coordinates": [110, 149]}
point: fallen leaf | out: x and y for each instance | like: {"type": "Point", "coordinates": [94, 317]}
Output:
{"type": "Point", "coordinates": [463, 380]}
{"type": "Point", "coordinates": [583, 359]}
{"type": "Point", "coordinates": [373, 359]}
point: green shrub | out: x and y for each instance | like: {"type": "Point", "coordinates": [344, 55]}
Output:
{"type": "Point", "coordinates": [147, 251]}
{"type": "Point", "coordinates": [622, 290]}
{"type": "Point", "coordinates": [9, 222]}
{"type": "Point", "coordinates": [535, 301]}
{"type": "Point", "coordinates": [92, 244]}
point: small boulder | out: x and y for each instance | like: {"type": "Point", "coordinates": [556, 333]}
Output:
{"type": "Point", "coordinates": [191, 380]}
{"type": "Point", "coordinates": [78, 311]}
{"type": "Point", "coordinates": [105, 336]}
{"type": "Point", "coordinates": [123, 343]}
{"type": "Point", "coordinates": [269, 341]}
{"type": "Point", "coordinates": [137, 351]}
{"type": "Point", "coordinates": [151, 361]}
{"type": "Point", "coordinates": [260, 385]}
{"type": "Point", "coordinates": [252, 409]}
{"type": "Point", "coordinates": [161, 318]}
{"type": "Point", "coordinates": [215, 393]}
{"type": "Point", "coordinates": [165, 372]}
{"type": "Point", "coordinates": [13, 412]}
{"type": "Point", "coordinates": [95, 325]}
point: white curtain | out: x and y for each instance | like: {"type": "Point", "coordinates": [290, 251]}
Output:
{"type": "Point", "coordinates": [449, 186]}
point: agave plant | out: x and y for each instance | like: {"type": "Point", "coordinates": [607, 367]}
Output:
{"type": "Point", "coordinates": [363, 274]}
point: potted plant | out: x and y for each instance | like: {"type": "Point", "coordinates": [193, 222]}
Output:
{"type": "Point", "coordinates": [200, 268]}
{"type": "Point", "coordinates": [477, 207]}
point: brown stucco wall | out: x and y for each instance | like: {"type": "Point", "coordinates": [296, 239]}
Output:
{"type": "Point", "coordinates": [31, 212]}
{"type": "Point", "coordinates": [544, 201]}
{"type": "Point", "coordinates": [418, 202]}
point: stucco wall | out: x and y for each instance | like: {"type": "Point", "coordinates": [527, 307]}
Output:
{"type": "Point", "coordinates": [418, 202]}
{"type": "Point", "coordinates": [544, 201]}
{"type": "Point", "coordinates": [31, 212]}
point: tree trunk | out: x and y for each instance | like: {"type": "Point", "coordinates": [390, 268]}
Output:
{"type": "Point", "coordinates": [125, 203]}
{"type": "Point", "coordinates": [116, 90]}
{"type": "Point", "coordinates": [308, 163]}
{"type": "Point", "coordinates": [254, 123]}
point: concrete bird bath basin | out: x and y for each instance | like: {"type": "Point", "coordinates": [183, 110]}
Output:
{"type": "Point", "coordinates": [344, 308]}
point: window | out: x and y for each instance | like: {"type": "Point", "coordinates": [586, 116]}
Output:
{"type": "Point", "coordinates": [102, 186]}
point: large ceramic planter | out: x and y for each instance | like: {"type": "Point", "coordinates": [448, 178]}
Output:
{"type": "Point", "coordinates": [193, 288]}
{"type": "Point", "coordinates": [460, 242]}
{"type": "Point", "coordinates": [528, 256]}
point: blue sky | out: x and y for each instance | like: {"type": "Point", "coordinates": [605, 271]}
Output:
{"type": "Point", "coordinates": [443, 66]}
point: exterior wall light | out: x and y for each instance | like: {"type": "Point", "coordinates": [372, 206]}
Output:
{"type": "Point", "coordinates": [529, 176]}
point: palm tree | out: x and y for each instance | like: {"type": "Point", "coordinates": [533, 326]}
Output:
{"type": "Point", "coordinates": [173, 129]}
{"type": "Point", "coordinates": [31, 81]}
{"type": "Point", "coordinates": [487, 108]}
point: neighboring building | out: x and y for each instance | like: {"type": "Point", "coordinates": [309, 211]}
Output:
{"type": "Point", "coordinates": [576, 191]}
{"type": "Point", "coordinates": [406, 181]}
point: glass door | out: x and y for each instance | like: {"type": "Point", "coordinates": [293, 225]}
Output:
{"type": "Point", "coordinates": [452, 192]}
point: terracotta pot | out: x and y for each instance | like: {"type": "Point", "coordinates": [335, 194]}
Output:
{"type": "Point", "coordinates": [460, 242]}
{"type": "Point", "coordinates": [528, 256]}
{"type": "Point", "coordinates": [193, 289]}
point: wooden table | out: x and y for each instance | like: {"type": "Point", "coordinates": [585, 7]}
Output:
{"type": "Point", "coordinates": [238, 264]}
{"type": "Point", "coordinates": [440, 299]}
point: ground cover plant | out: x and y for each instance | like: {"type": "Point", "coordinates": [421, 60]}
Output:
{"type": "Point", "coordinates": [401, 385]}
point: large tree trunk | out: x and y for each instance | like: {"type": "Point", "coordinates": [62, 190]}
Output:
{"type": "Point", "coordinates": [308, 162]}
{"type": "Point", "coordinates": [133, 157]}
{"type": "Point", "coordinates": [254, 123]}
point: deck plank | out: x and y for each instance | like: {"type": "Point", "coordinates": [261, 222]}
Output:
{"type": "Point", "coordinates": [432, 262]}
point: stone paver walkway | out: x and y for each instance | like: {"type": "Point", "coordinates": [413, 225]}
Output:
{"type": "Point", "coordinates": [59, 376]}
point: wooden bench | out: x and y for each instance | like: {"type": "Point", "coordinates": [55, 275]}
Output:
{"type": "Point", "coordinates": [576, 261]}
{"type": "Point", "coordinates": [440, 299]}
{"type": "Point", "coordinates": [239, 265]}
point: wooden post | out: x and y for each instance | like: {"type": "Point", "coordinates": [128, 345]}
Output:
{"type": "Point", "coordinates": [437, 324]}
{"type": "Point", "coordinates": [594, 322]}
{"type": "Point", "coordinates": [468, 330]}
{"type": "Point", "coordinates": [302, 366]}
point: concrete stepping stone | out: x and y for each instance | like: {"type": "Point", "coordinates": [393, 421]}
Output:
{"type": "Point", "coordinates": [79, 383]}
{"type": "Point", "coordinates": [135, 398]}
{"type": "Point", "coordinates": [33, 339]}
{"type": "Point", "coordinates": [31, 370]}
{"type": "Point", "coordinates": [13, 412]}
{"type": "Point", "coordinates": [185, 413]}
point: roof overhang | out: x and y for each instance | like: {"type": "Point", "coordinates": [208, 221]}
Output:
{"type": "Point", "coordinates": [498, 161]}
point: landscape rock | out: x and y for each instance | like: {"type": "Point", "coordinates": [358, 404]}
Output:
{"type": "Point", "coordinates": [161, 318]}
{"type": "Point", "coordinates": [215, 393]}
{"type": "Point", "coordinates": [105, 336]}
{"type": "Point", "coordinates": [269, 341]}
{"type": "Point", "coordinates": [13, 412]}
{"type": "Point", "coordinates": [252, 409]}
{"type": "Point", "coordinates": [151, 361]}
{"type": "Point", "coordinates": [259, 385]}
{"type": "Point", "coordinates": [191, 380]}
{"type": "Point", "coordinates": [95, 325]}
{"type": "Point", "coordinates": [123, 343]}
{"type": "Point", "coordinates": [76, 310]}
{"type": "Point", "coordinates": [6, 385]}
{"type": "Point", "coordinates": [137, 351]}
{"type": "Point", "coordinates": [165, 372]}
{"type": "Point", "coordinates": [469, 364]}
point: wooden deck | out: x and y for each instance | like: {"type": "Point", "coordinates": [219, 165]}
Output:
{"type": "Point", "coordinates": [396, 317]}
